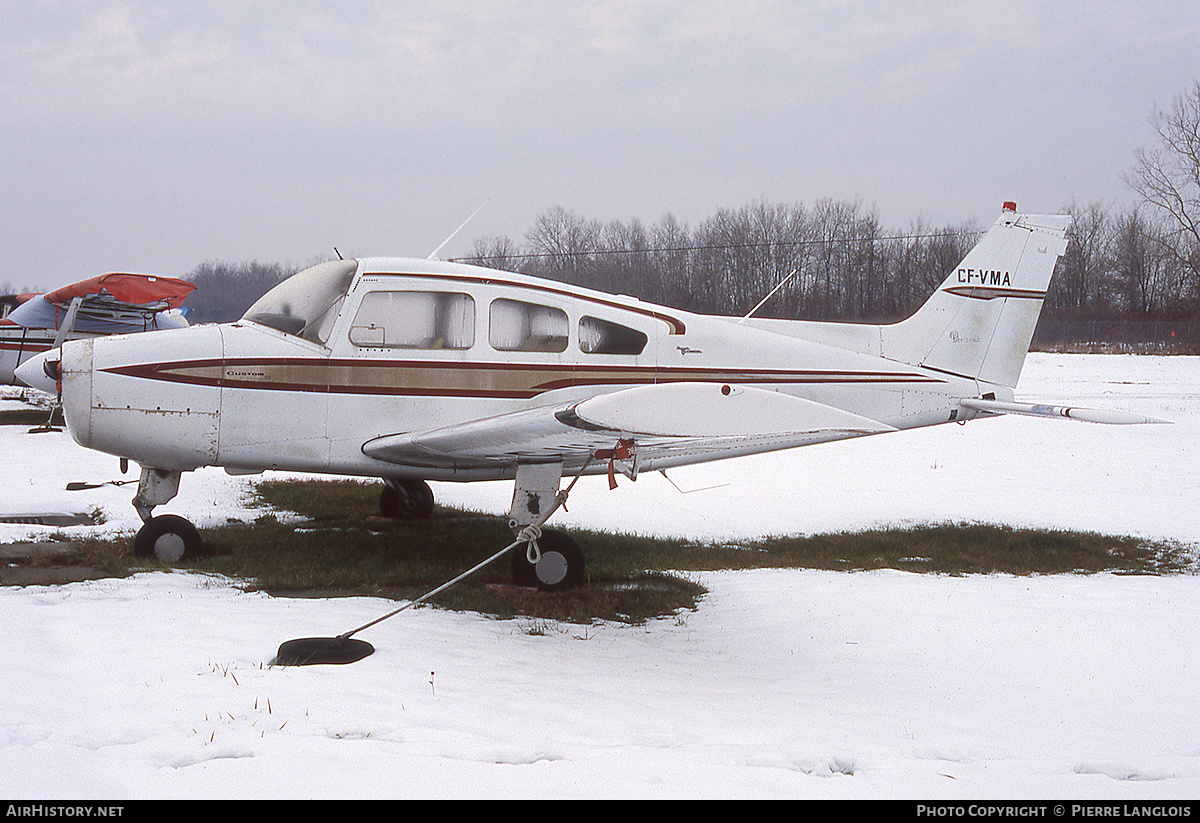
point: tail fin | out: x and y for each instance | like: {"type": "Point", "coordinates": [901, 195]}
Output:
{"type": "Point", "coordinates": [980, 322]}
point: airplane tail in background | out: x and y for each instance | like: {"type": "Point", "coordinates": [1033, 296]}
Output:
{"type": "Point", "coordinates": [980, 322]}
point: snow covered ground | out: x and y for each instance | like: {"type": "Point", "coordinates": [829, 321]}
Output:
{"type": "Point", "coordinates": [782, 684]}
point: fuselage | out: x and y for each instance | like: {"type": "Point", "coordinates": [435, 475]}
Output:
{"type": "Point", "coordinates": [18, 344]}
{"type": "Point", "coordinates": [36, 325]}
{"type": "Point", "coordinates": [356, 350]}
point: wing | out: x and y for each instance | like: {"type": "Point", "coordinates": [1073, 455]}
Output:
{"type": "Point", "coordinates": [109, 304]}
{"type": "Point", "coordinates": [120, 288]}
{"type": "Point", "coordinates": [670, 425]}
{"type": "Point", "coordinates": [1044, 410]}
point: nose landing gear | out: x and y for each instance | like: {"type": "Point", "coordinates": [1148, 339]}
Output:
{"type": "Point", "coordinates": [168, 537]}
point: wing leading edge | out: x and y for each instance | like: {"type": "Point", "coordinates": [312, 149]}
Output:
{"type": "Point", "coordinates": [670, 424]}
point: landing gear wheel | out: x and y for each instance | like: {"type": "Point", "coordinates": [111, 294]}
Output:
{"type": "Point", "coordinates": [406, 500]}
{"type": "Point", "coordinates": [559, 568]}
{"type": "Point", "coordinates": [167, 537]}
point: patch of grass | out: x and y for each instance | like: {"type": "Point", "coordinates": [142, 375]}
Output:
{"type": "Point", "coordinates": [959, 549]}
{"type": "Point", "coordinates": [342, 547]}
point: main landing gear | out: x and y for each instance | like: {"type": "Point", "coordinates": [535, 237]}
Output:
{"type": "Point", "coordinates": [558, 565]}
{"type": "Point", "coordinates": [552, 562]}
{"type": "Point", "coordinates": [406, 499]}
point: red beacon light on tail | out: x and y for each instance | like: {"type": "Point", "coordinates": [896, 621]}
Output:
{"type": "Point", "coordinates": [1010, 205]}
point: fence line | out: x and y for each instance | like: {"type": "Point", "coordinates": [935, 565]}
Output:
{"type": "Point", "coordinates": [1178, 336]}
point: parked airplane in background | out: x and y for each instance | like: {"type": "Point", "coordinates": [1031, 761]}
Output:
{"type": "Point", "coordinates": [114, 303]}
{"type": "Point", "coordinates": [416, 370]}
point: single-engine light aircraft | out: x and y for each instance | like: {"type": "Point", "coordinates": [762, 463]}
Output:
{"type": "Point", "coordinates": [417, 370]}
{"type": "Point", "coordinates": [114, 303]}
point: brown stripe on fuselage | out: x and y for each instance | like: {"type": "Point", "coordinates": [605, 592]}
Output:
{"type": "Point", "coordinates": [992, 293]}
{"type": "Point", "coordinates": [20, 339]}
{"type": "Point", "coordinates": [468, 379]}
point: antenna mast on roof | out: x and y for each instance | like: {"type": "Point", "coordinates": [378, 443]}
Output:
{"type": "Point", "coordinates": [433, 254]}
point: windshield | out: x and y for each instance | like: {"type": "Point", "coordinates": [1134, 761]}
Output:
{"type": "Point", "coordinates": [307, 302]}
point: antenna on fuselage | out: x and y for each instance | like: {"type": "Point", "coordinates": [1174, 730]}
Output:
{"type": "Point", "coordinates": [770, 294]}
{"type": "Point", "coordinates": [433, 254]}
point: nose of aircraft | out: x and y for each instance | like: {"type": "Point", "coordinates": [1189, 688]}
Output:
{"type": "Point", "coordinates": [41, 371]}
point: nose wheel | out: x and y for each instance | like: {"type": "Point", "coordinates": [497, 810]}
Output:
{"type": "Point", "coordinates": [168, 537]}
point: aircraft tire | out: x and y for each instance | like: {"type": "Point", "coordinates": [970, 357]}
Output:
{"type": "Point", "coordinates": [168, 537]}
{"type": "Point", "coordinates": [560, 567]}
{"type": "Point", "coordinates": [415, 504]}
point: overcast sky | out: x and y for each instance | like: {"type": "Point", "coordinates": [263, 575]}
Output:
{"type": "Point", "coordinates": [152, 136]}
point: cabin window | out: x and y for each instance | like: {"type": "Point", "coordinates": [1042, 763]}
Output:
{"type": "Point", "coordinates": [519, 326]}
{"type": "Point", "coordinates": [415, 320]}
{"type": "Point", "coordinates": [598, 336]}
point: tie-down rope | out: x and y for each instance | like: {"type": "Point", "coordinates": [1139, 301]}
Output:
{"type": "Point", "coordinates": [529, 535]}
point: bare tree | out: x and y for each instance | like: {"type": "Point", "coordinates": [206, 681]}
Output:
{"type": "Point", "coordinates": [623, 262]}
{"type": "Point", "coordinates": [1135, 264]}
{"type": "Point", "coordinates": [496, 253]}
{"type": "Point", "coordinates": [674, 263]}
{"type": "Point", "coordinates": [1086, 266]}
{"type": "Point", "coordinates": [565, 244]}
{"type": "Point", "coordinates": [225, 290]}
{"type": "Point", "coordinates": [1168, 176]}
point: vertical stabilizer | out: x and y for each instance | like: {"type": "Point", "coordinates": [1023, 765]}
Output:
{"type": "Point", "coordinates": [980, 321]}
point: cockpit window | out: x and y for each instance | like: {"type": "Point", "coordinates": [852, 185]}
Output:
{"type": "Point", "coordinates": [307, 302]}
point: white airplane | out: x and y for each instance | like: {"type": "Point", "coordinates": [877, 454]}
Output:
{"type": "Point", "coordinates": [114, 303]}
{"type": "Point", "coordinates": [416, 370]}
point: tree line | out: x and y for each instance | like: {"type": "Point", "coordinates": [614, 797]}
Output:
{"type": "Point", "coordinates": [225, 290]}
{"type": "Point", "coordinates": [832, 261]}
{"type": "Point", "coordinates": [835, 261]}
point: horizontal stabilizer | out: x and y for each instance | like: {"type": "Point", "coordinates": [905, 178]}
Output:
{"type": "Point", "coordinates": [1072, 412]}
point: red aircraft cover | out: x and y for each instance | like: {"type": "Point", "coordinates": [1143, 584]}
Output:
{"type": "Point", "coordinates": [135, 289]}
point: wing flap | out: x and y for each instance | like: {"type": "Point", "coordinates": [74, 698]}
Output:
{"type": "Point", "coordinates": [672, 424]}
